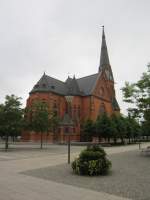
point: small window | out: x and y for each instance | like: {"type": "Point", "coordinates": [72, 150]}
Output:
{"type": "Point", "coordinates": [53, 87]}
{"type": "Point", "coordinates": [74, 109]}
{"type": "Point", "coordinates": [66, 107]}
{"type": "Point", "coordinates": [44, 85]}
{"type": "Point", "coordinates": [59, 130]}
{"type": "Point", "coordinates": [55, 104]}
{"type": "Point", "coordinates": [66, 130]}
{"type": "Point", "coordinates": [79, 112]}
{"type": "Point", "coordinates": [44, 101]}
{"type": "Point", "coordinates": [102, 108]}
{"type": "Point", "coordinates": [36, 86]}
{"type": "Point", "coordinates": [55, 113]}
{"type": "Point", "coordinates": [101, 91]}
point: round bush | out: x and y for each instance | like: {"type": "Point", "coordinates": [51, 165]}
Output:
{"type": "Point", "coordinates": [91, 161]}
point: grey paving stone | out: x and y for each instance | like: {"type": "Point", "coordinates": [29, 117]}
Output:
{"type": "Point", "coordinates": [129, 177]}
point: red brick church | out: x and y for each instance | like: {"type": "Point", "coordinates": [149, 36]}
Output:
{"type": "Point", "coordinates": [87, 98]}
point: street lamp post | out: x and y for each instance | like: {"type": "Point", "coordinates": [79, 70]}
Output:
{"type": "Point", "coordinates": [69, 148]}
{"type": "Point", "coordinates": [67, 123]}
{"type": "Point", "coordinates": [69, 104]}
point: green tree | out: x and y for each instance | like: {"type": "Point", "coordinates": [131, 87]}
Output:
{"type": "Point", "coordinates": [54, 122]}
{"type": "Point", "coordinates": [38, 118]}
{"type": "Point", "coordinates": [104, 126]}
{"type": "Point", "coordinates": [131, 128]}
{"type": "Point", "coordinates": [2, 131]}
{"type": "Point", "coordinates": [11, 117]}
{"type": "Point", "coordinates": [115, 124]}
{"type": "Point", "coordinates": [122, 128]}
{"type": "Point", "coordinates": [138, 95]}
{"type": "Point", "coordinates": [136, 129]}
{"type": "Point", "coordinates": [88, 129]}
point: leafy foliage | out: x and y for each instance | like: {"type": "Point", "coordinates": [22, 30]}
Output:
{"type": "Point", "coordinates": [11, 117]}
{"type": "Point", "coordinates": [92, 161]}
{"type": "Point", "coordinates": [37, 118]}
{"type": "Point", "coordinates": [104, 126]}
{"type": "Point", "coordinates": [114, 127]}
{"type": "Point", "coordinates": [138, 94]}
{"type": "Point", "coordinates": [88, 129]}
{"type": "Point", "coordinates": [54, 122]}
{"type": "Point", "coordinates": [40, 117]}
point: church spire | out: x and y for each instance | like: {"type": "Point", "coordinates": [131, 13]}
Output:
{"type": "Point", "coordinates": [104, 59]}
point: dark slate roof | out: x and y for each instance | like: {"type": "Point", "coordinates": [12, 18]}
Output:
{"type": "Point", "coordinates": [87, 83]}
{"type": "Point", "coordinates": [115, 104]}
{"type": "Point", "coordinates": [73, 87]}
{"type": "Point", "coordinates": [82, 86]}
{"type": "Point", "coordinates": [49, 84]}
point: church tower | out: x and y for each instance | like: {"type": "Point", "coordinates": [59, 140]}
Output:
{"type": "Point", "coordinates": [106, 71]}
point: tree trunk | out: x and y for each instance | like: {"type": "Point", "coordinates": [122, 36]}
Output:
{"type": "Point", "coordinates": [47, 137]}
{"type": "Point", "coordinates": [6, 142]}
{"type": "Point", "coordinates": [122, 140]}
{"type": "Point", "coordinates": [129, 140]}
{"type": "Point", "coordinates": [41, 140]}
{"type": "Point", "coordinates": [13, 138]}
{"type": "Point", "coordinates": [115, 140]}
{"type": "Point", "coordinates": [132, 140]}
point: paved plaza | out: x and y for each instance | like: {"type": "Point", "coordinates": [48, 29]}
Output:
{"type": "Point", "coordinates": [26, 172]}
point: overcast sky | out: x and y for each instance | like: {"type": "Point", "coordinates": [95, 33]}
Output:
{"type": "Point", "coordinates": [63, 37]}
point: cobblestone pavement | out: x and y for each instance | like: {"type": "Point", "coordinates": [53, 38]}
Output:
{"type": "Point", "coordinates": [16, 186]}
{"type": "Point", "coordinates": [129, 177]}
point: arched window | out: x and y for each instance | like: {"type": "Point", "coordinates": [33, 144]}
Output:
{"type": "Point", "coordinates": [36, 86]}
{"type": "Point", "coordinates": [55, 108]}
{"type": "Point", "coordinates": [79, 111]}
{"type": "Point", "coordinates": [101, 91]}
{"type": "Point", "coordinates": [74, 110]}
{"type": "Point", "coordinates": [44, 85]}
{"type": "Point", "coordinates": [102, 108]}
{"type": "Point", "coordinates": [66, 129]}
{"type": "Point", "coordinates": [43, 100]}
{"type": "Point", "coordinates": [55, 105]}
{"type": "Point", "coordinates": [66, 108]}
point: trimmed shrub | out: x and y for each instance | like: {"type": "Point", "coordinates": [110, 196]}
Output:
{"type": "Point", "coordinates": [91, 161]}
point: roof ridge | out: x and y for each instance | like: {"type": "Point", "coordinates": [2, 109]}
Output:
{"type": "Point", "coordinates": [87, 76]}
{"type": "Point", "coordinates": [46, 78]}
{"type": "Point", "coordinates": [55, 79]}
{"type": "Point", "coordinates": [73, 86]}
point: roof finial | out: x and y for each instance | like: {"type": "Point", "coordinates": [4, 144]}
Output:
{"type": "Point", "coordinates": [103, 32]}
{"type": "Point", "coordinates": [44, 73]}
{"type": "Point", "coordinates": [68, 74]}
